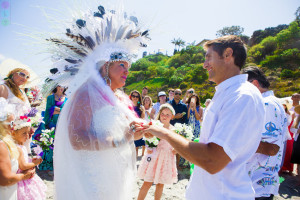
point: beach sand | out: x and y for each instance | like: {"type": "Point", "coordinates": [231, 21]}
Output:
{"type": "Point", "coordinates": [288, 189]}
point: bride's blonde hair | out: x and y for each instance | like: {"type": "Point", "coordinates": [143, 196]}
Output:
{"type": "Point", "coordinates": [7, 139]}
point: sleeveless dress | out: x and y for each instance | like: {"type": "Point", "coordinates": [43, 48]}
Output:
{"type": "Point", "coordinates": [159, 166]}
{"type": "Point", "coordinates": [10, 192]}
{"type": "Point", "coordinates": [22, 107]}
{"type": "Point", "coordinates": [31, 189]}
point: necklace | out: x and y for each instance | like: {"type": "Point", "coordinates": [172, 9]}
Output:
{"type": "Point", "coordinates": [59, 98]}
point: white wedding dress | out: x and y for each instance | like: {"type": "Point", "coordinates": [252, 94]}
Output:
{"type": "Point", "coordinates": [86, 163]}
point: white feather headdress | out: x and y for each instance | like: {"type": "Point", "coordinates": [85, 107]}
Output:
{"type": "Point", "coordinates": [99, 36]}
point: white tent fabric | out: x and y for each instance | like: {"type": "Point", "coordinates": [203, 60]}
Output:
{"type": "Point", "coordinates": [9, 64]}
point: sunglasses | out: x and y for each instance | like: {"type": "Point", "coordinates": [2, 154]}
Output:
{"type": "Point", "coordinates": [176, 93]}
{"type": "Point", "coordinates": [134, 96]}
{"type": "Point", "coordinates": [23, 75]}
{"type": "Point", "coordinates": [11, 124]}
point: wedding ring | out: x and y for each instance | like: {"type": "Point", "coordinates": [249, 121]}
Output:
{"type": "Point", "coordinates": [132, 127]}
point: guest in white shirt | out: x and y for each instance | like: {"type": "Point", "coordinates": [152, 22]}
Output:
{"type": "Point", "coordinates": [228, 138]}
{"type": "Point", "coordinates": [265, 164]}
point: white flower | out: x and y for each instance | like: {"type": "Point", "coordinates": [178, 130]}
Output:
{"type": "Point", "coordinates": [51, 140]}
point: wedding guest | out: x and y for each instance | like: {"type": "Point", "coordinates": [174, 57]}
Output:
{"type": "Point", "coordinates": [287, 165]}
{"type": "Point", "coordinates": [54, 105]}
{"type": "Point", "coordinates": [136, 99]}
{"type": "Point", "coordinates": [171, 94]}
{"type": "Point", "coordinates": [9, 155]}
{"type": "Point", "coordinates": [271, 147]}
{"type": "Point", "coordinates": [144, 92]}
{"type": "Point", "coordinates": [35, 188]}
{"type": "Point", "coordinates": [158, 166]}
{"type": "Point", "coordinates": [194, 114]}
{"type": "Point", "coordinates": [180, 109]}
{"type": "Point", "coordinates": [147, 103]}
{"type": "Point", "coordinates": [207, 102]}
{"type": "Point", "coordinates": [187, 95]}
{"type": "Point", "coordinates": [295, 158]}
{"type": "Point", "coordinates": [12, 91]}
{"type": "Point", "coordinates": [226, 142]}
{"type": "Point", "coordinates": [162, 99]}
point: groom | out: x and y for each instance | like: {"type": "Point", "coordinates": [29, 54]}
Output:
{"type": "Point", "coordinates": [230, 132]}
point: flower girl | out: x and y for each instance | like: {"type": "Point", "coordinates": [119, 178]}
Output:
{"type": "Point", "coordinates": [158, 166]}
{"type": "Point", "coordinates": [33, 188]}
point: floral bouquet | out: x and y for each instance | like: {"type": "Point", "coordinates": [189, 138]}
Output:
{"type": "Point", "coordinates": [36, 120]}
{"type": "Point", "coordinates": [45, 140]}
{"type": "Point", "coordinates": [184, 130]}
{"type": "Point", "coordinates": [153, 142]}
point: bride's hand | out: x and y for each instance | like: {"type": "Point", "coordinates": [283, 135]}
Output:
{"type": "Point", "coordinates": [135, 128]}
{"type": "Point", "coordinates": [150, 130]}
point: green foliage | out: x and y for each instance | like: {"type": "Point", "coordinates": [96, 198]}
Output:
{"type": "Point", "coordinates": [286, 73]}
{"type": "Point", "coordinates": [277, 53]}
{"type": "Point", "coordinates": [232, 30]}
{"type": "Point", "coordinates": [259, 35]}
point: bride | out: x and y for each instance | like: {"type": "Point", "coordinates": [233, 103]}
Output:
{"type": "Point", "coordinates": [94, 154]}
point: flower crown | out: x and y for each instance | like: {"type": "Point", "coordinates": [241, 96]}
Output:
{"type": "Point", "coordinates": [22, 122]}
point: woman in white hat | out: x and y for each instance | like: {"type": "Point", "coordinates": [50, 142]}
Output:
{"type": "Point", "coordinates": [162, 99]}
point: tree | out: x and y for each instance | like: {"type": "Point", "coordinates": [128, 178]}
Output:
{"type": "Point", "coordinates": [178, 43]}
{"type": "Point", "coordinates": [232, 30]}
{"type": "Point", "coordinates": [297, 13]}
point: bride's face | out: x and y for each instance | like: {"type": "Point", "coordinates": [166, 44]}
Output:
{"type": "Point", "coordinates": [118, 72]}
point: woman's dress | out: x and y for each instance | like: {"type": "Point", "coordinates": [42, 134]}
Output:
{"type": "Point", "coordinates": [10, 192]}
{"type": "Point", "coordinates": [194, 123]}
{"type": "Point", "coordinates": [160, 165]}
{"type": "Point", "coordinates": [83, 169]}
{"type": "Point", "coordinates": [50, 122]}
{"type": "Point", "coordinates": [139, 142]}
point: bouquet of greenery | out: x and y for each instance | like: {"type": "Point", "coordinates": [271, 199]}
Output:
{"type": "Point", "coordinates": [45, 139]}
{"type": "Point", "coordinates": [184, 130]}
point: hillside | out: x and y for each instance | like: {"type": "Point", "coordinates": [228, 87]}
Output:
{"type": "Point", "coordinates": [278, 54]}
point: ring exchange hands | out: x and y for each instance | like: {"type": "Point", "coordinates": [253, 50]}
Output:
{"type": "Point", "coordinates": [147, 130]}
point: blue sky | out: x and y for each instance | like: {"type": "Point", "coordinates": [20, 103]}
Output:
{"type": "Point", "coordinates": [191, 20]}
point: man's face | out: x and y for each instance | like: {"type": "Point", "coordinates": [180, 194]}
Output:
{"type": "Point", "coordinates": [171, 94]}
{"type": "Point", "coordinates": [177, 95]}
{"type": "Point", "coordinates": [215, 66]}
{"type": "Point", "coordinates": [145, 92]}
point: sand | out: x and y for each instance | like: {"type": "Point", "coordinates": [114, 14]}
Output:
{"type": "Point", "coordinates": [288, 189]}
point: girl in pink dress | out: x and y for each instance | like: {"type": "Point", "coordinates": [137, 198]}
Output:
{"type": "Point", "coordinates": [158, 166]}
{"type": "Point", "coordinates": [34, 188]}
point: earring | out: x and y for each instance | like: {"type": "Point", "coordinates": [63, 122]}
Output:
{"type": "Point", "coordinates": [106, 78]}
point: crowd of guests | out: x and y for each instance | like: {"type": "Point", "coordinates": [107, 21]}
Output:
{"type": "Point", "coordinates": [276, 126]}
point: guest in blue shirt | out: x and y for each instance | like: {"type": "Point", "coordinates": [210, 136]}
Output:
{"type": "Point", "coordinates": [180, 109]}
